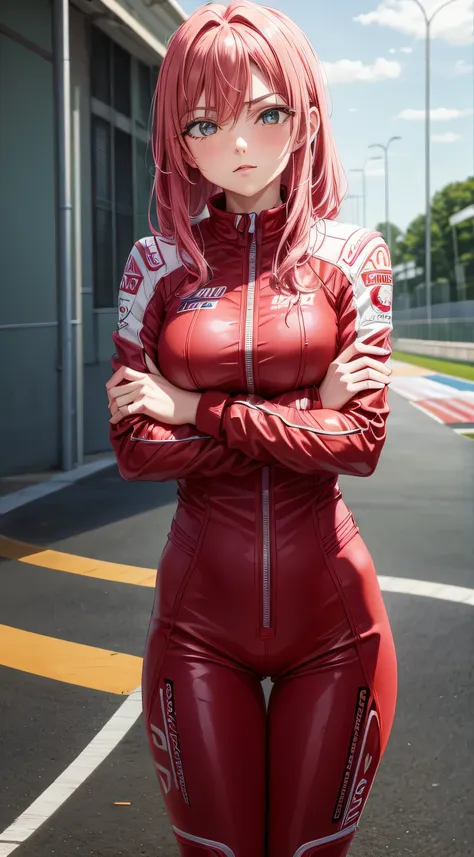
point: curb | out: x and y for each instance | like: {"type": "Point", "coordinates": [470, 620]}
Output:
{"type": "Point", "coordinates": [55, 483]}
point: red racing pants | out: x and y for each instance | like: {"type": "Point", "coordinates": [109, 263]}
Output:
{"type": "Point", "coordinates": [242, 595]}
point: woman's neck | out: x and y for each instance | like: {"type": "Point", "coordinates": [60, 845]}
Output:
{"type": "Point", "coordinates": [269, 197]}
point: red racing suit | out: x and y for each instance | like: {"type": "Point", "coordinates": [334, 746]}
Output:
{"type": "Point", "coordinates": [264, 572]}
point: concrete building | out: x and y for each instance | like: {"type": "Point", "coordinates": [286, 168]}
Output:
{"type": "Point", "coordinates": [76, 83]}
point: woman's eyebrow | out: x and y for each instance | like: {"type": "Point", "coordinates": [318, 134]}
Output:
{"type": "Point", "coordinates": [254, 101]}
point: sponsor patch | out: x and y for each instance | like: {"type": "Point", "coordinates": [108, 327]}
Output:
{"type": "Point", "coordinates": [125, 306]}
{"type": "Point", "coordinates": [132, 277]}
{"type": "Point", "coordinates": [363, 697]}
{"type": "Point", "coordinates": [187, 306]}
{"type": "Point", "coordinates": [206, 297]}
{"type": "Point", "coordinates": [377, 278]}
{"type": "Point", "coordinates": [365, 772]}
{"type": "Point", "coordinates": [280, 301]}
{"type": "Point", "coordinates": [175, 746]}
{"type": "Point", "coordinates": [153, 258]}
{"type": "Point", "coordinates": [381, 298]}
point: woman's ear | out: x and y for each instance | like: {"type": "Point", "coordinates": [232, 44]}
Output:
{"type": "Point", "coordinates": [315, 122]}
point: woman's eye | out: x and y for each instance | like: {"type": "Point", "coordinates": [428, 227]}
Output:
{"type": "Point", "coordinates": [272, 117]}
{"type": "Point", "coordinates": [202, 129]}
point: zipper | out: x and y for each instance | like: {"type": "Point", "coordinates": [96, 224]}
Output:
{"type": "Point", "coordinates": [265, 483]}
{"type": "Point", "coordinates": [250, 306]}
{"type": "Point", "coordinates": [266, 545]}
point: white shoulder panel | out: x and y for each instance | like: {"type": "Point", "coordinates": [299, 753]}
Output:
{"type": "Point", "coordinates": [344, 245]}
{"type": "Point", "coordinates": [150, 259]}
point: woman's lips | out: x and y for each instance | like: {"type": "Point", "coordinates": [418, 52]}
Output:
{"type": "Point", "coordinates": [245, 167]}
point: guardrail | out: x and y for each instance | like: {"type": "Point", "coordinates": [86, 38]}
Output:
{"type": "Point", "coordinates": [449, 330]}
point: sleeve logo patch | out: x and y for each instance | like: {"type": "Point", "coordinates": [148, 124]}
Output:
{"type": "Point", "coordinates": [381, 298]}
{"type": "Point", "coordinates": [125, 306]}
{"type": "Point", "coordinates": [377, 278]}
{"type": "Point", "coordinates": [153, 257]}
{"type": "Point", "coordinates": [132, 277]}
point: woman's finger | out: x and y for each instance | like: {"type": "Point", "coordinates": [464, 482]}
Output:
{"type": "Point", "coordinates": [355, 365]}
{"type": "Point", "coordinates": [127, 410]}
{"type": "Point", "coordinates": [368, 374]}
{"type": "Point", "coordinates": [124, 389]}
{"type": "Point", "coordinates": [124, 373]}
{"type": "Point", "coordinates": [367, 385]}
{"type": "Point", "coordinates": [358, 348]}
{"type": "Point", "coordinates": [127, 399]}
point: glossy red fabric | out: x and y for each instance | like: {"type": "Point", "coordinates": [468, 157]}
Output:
{"type": "Point", "coordinates": [264, 572]}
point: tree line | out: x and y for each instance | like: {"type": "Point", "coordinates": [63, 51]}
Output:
{"type": "Point", "coordinates": [411, 245]}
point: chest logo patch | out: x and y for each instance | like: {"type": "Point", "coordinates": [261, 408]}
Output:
{"type": "Point", "coordinates": [206, 297]}
{"type": "Point", "coordinates": [280, 301]}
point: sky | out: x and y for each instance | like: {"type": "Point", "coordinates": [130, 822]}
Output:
{"type": "Point", "coordinates": [373, 52]}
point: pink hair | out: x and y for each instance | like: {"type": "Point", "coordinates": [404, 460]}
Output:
{"type": "Point", "coordinates": [212, 51]}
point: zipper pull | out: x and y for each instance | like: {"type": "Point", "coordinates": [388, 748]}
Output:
{"type": "Point", "coordinates": [252, 216]}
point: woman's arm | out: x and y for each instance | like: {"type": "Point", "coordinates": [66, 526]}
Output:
{"type": "Point", "coordinates": [348, 441]}
{"type": "Point", "coordinates": [145, 448]}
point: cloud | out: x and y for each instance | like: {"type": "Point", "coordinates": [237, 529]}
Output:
{"type": "Point", "coordinates": [353, 71]}
{"type": "Point", "coordinates": [353, 109]}
{"type": "Point", "coordinates": [463, 67]}
{"type": "Point", "coordinates": [439, 114]}
{"type": "Point", "coordinates": [406, 50]}
{"type": "Point", "coordinates": [454, 26]}
{"type": "Point", "coordinates": [449, 137]}
{"type": "Point", "coordinates": [392, 50]}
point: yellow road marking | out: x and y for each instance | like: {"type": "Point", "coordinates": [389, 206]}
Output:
{"type": "Point", "coordinates": [72, 663]}
{"type": "Point", "coordinates": [59, 561]}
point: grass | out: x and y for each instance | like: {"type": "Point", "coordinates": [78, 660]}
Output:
{"type": "Point", "coordinates": [447, 367]}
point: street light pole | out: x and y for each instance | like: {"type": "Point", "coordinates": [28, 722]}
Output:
{"type": "Point", "coordinates": [387, 186]}
{"type": "Point", "coordinates": [364, 194]}
{"type": "Point", "coordinates": [428, 22]}
{"type": "Point", "coordinates": [355, 196]}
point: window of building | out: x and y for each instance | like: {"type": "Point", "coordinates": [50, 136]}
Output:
{"type": "Point", "coordinates": [122, 165]}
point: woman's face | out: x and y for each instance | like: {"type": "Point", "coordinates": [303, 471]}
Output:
{"type": "Point", "coordinates": [260, 140]}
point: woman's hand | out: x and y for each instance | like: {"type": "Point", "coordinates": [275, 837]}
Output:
{"type": "Point", "coordinates": [150, 394]}
{"type": "Point", "coordinates": [346, 376]}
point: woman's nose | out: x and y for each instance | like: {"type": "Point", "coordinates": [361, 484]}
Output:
{"type": "Point", "coordinates": [240, 144]}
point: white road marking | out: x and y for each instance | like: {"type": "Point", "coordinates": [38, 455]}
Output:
{"type": "Point", "coordinates": [427, 413]}
{"type": "Point", "coordinates": [128, 713]}
{"type": "Point", "coordinates": [63, 787]}
{"type": "Point", "coordinates": [443, 591]}
{"type": "Point", "coordinates": [419, 387]}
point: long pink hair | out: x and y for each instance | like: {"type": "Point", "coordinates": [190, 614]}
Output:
{"type": "Point", "coordinates": [212, 51]}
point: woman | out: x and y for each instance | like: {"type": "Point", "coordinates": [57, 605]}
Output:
{"type": "Point", "coordinates": [270, 324]}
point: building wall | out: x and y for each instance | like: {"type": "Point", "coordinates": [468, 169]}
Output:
{"type": "Point", "coordinates": [94, 337]}
{"type": "Point", "coordinates": [30, 436]}
{"type": "Point", "coordinates": [29, 429]}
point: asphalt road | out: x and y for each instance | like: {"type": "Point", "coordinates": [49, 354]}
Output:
{"type": "Point", "coordinates": [416, 515]}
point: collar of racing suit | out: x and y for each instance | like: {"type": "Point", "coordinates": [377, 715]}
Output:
{"type": "Point", "coordinates": [230, 226]}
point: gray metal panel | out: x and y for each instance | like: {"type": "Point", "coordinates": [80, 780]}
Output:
{"type": "Point", "coordinates": [29, 18]}
{"type": "Point", "coordinates": [29, 437]}
{"type": "Point", "coordinates": [29, 434]}
{"type": "Point", "coordinates": [96, 414]}
{"type": "Point", "coordinates": [27, 205]}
